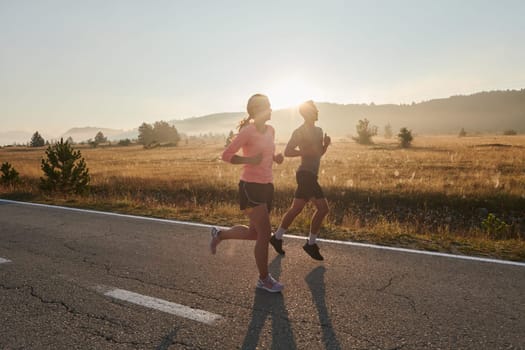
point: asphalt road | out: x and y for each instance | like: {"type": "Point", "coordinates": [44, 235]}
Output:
{"type": "Point", "coordinates": [57, 266]}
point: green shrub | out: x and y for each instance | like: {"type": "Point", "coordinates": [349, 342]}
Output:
{"type": "Point", "coordinates": [9, 175]}
{"type": "Point", "coordinates": [495, 228]}
{"type": "Point", "coordinates": [64, 169]}
{"type": "Point", "coordinates": [124, 142]}
{"type": "Point", "coordinates": [365, 132]}
{"type": "Point", "coordinates": [405, 137]}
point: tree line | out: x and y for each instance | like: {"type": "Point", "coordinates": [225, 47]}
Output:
{"type": "Point", "coordinates": [150, 135]}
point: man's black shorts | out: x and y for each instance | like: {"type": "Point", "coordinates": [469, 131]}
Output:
{"type": "Point", "coordinates": [253, 194]}
{"type": "Point", "coordinates": [307, 186]}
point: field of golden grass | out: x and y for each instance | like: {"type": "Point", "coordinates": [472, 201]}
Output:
{"type": "Point", "coordinates": [437, 195]}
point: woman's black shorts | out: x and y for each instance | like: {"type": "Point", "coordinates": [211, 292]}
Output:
{"type": "Point", "coordinates": [307, 186]}
{"type": "Point", "coordinates": [253, 194]}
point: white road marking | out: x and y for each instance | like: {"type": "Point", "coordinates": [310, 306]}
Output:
{"type": "Point", "coordinates": [413, 251]}
{"type": "Point", "coordinates": [356, 244]}
{"type": "Point", "coordinates": [3, 261]}
{"type": "Point", "coordinates": [107, 213]}
{"type": "Point", "coordinates": [164, 306]}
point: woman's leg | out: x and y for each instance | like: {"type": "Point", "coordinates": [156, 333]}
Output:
{"type": "Point", "coordinates": [260, 221]}
{"type": "Point", "coordinates": [235, 232]}
{"type": "Point", "coordinates": [238, 232]}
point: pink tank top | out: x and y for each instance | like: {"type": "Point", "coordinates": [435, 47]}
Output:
{"type": "Point", "coordinates": [252, 143]}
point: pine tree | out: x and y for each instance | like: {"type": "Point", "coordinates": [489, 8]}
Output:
{"type": "Point", "coordinates": [100, 138]}
{"type": "Point", "coordinates": [9, 175]}
{"type": "Point", "coordinates": [405, 137]}
{"type": "Point", "coordinates": [37, 140]}
{"type": "Point", "coordinates": [64, 169]}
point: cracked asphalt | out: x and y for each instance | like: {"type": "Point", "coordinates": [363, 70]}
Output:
{"type": "Point", "coordinates": [358, 298]}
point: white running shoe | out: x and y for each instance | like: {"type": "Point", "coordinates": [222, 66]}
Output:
{"type": "Point", "coordinates": [214, 239]}
{"type": "Point", "coordinates": [270, 284]}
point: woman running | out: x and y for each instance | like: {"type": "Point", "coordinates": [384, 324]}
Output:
{"type": "Point", "coordinates": [256, 140]}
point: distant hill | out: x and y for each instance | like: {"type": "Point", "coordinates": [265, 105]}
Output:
{"type": "Point", "coordinates": [219, 123]}
{"type": "Point", "coordinates": [86, 133]}
{"type": "Point", "coordinates": [14, 137]}
{"type": "Point", "coordinates": [484, 112]}
{"type": "Point", "coordinates": [77, 134]}
{"type": "Point", "coordinates": [490, 112]}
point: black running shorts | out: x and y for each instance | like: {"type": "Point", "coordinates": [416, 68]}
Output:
{"type": "Point", "coordinates": [253, 194]}
{"type": "Point", "coordinates": [307, 186]}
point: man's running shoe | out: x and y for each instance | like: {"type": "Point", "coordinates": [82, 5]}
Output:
{"type": "Point", "coordinates": [214, 239]}
{"type": "Point", "coordinates": [313, 251]}
{"type": "Point", "coordinates": [270, 284]}
{"type": "Point", "coordinates": [277, 244]}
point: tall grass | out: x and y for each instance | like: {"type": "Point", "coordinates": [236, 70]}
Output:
{"type": "Point", "coordinates": [438, 191]}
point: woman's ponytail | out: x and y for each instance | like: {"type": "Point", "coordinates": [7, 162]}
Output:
{"type": "Point", "coordinates": [244, 122]}
{"type": "Point", "coordinates": [256, 104]}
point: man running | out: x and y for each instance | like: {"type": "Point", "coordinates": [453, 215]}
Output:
{"type": "Point", "coordinates": [306, 142]}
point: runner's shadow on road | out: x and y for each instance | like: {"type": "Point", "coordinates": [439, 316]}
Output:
{"type": "Point", "coordinates": [315, 281]}
{"type": "Point", "coordinates": [168, 340]}
{"type": "Point", "coordinates": [270, 306]}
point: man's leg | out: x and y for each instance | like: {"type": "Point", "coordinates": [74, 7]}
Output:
{"type": "Point", "coordinates": [296, 208]}
{"type": "Point", "coordinates": [277, 239]}
{"type": "Point", "coordinates": [321, 205]}
{"type": "Point", "coordinates": [311, 247]}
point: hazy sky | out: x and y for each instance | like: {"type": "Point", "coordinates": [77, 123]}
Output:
{"type": "Point", "coordinates": [117, 64]}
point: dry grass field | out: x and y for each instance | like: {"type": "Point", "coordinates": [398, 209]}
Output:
{"type": "Point", "coordinates": [460, 195]}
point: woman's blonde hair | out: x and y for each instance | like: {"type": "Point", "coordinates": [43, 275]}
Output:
{"type": "Point", "coordinates": [256, 104]}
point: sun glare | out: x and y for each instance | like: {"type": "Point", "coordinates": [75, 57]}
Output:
{"type": "Point", "coordinates": [290, 92]}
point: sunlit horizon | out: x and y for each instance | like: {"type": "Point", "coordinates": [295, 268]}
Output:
{"type": "Point", "coordinates": [289, 92]}
{"type": "Point", "coordinates": [114, 65]}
